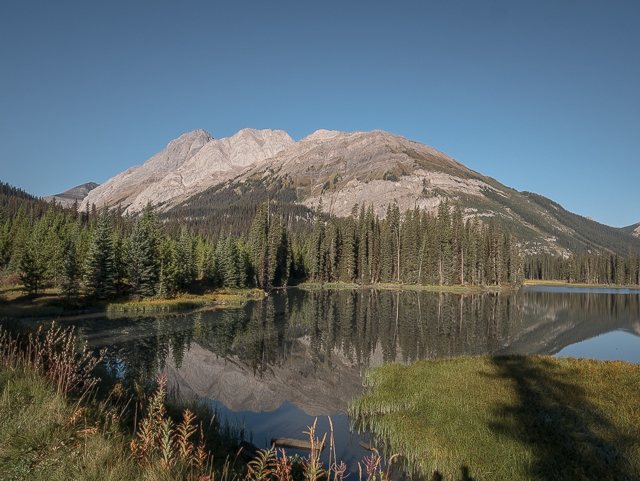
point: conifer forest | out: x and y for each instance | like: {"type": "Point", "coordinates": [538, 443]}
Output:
{"type": "Point", "coordinates": [102, 254]}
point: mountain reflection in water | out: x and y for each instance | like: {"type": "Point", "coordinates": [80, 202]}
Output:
{"type": "Point", "coordinates": [310, 347]}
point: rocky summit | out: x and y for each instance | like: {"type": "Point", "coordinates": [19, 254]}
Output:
{"type": "Point", "coordinates": [73, 195]}
{"type": "Point", "coordinates": [190, 164]}
{"type": "Point", "coordinates": [342, 170]}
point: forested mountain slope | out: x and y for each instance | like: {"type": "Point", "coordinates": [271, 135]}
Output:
{"type": "Point", "coordinates": [634, 230]}
{"type": "Point", "coordinates": [217, 184]}
{"type": "Point", "coordinates": [12, 198]}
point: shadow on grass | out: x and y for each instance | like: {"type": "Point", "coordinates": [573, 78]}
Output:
{"type": "Point", "coordinates": [554, 418]}
{"type": "Point", "coordinates": [436, 476]}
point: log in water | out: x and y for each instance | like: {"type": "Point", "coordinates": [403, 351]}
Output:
{"type": "Point", "coordinates": [295, 444]}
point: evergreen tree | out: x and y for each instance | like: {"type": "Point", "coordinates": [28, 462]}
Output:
{"type": "Point", "coordinates": [259, 244]}
{"type": "Point", "coordinates": [69, 283]}
{"type": "Point", "coordinates": [445, 238]}
{"type": "Point", "coordinates": [17, 239]}
{"type": "Point", "coordinates": [229, 261]}
{"type": "Point", "coordinates": [144, 253]}
{"type": "Point", "coordinates": [317, 252]}
{"type": "Point", "coordinates": [34, 260]}
{"type": "Point", "coordinates": [120, 258]}
{"type": "Point", "coordinates": [184, 260]}
{"type": "Point", "coordinates": [70, 275]}
{"type": "Point", "coordinates": [99, 271]}
{"type": "Point", "coordinates": [211, 272]}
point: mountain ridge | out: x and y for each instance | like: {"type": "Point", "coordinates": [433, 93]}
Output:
{"type": "Point", "coordinates": [75, 194]}
{"type": "Point", "coordinates": [633, 229]}
{"type": "Point", "coordinates": [197, 173]}
{"type": "Point", "coordinates": [192, 162]}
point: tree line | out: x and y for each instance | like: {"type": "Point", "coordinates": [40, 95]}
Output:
{"type": "Point", "coordinates": [595, 268]}
{"type": "Point", "coordinates": [105, 254]}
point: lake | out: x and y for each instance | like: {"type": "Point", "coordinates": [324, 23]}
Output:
{"type": "Point", "coordinates": [275, 365]}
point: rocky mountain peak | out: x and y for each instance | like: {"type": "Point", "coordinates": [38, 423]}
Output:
{"type": "Point", "coordinates": [189, 164]}
{"type": "Point", "coordinates": [321, 135]}
{"type": "Point", "coordinates": [69, 197]}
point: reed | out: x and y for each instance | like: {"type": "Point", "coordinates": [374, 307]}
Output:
{"type": "Point", "coordinates": [158, 305]}
{"type": "Point", "coordinates": [53, 425]}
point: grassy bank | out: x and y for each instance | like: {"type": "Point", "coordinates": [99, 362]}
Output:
{"type": "Point", "coordinates": [515, 417]}
{"type": "Point", "coordinates": [577, 284]}
{"type": "Point", "coordinates": [16, 303]}
{"type": "Point", "coordinates": [58, 423]}
{"type": "Point", "coordinates": [225, 297]}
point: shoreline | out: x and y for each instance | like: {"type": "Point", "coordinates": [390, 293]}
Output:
{"type": "Point", "coordinates": [50, 305]}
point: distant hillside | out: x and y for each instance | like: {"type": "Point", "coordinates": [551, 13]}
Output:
{"type": "Point", "coordinates": [633, 230]}
{"type": "Point", "coordinates": [11, 198]}
{"type": "Point", "coordinates": [69, 197]}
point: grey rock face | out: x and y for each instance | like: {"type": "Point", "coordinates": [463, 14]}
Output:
{"type": "Point", "coordinates": [216, 162]}
{"type": "Point", "coordinates": [191, 163]}
{"type": "Point", "coordinates": [69, 197]}
{"type": "Point", "coordinates": [126, 186]}
{"type": "Point", "coordinates": [368, 168]}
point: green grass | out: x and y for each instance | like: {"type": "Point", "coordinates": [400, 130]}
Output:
{"type": "Point", "coordinates": [16, 303]}
{"type": "Point", "coordinates": [45, 436]}
{"type": "Point", "coordinates": [576, 284]}
{"type": "Point", "coordinates": [163, 305]}
{"type": "Point", "coordinates": [57, 423]}
{"type": "Point", "coordinates": [521, 417]}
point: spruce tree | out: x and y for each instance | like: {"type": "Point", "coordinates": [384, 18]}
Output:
{"type": "Point", "coordinates": [210, 268]}
{"type": "Point", "coordinates": [69, 285]}
{"type": "Point", "coordinates": [34, 259]}
{"type": "Point", "coordinates": [144, 253]}
{"type": "Point", "coordinates": [99, 269]}
{"type": "Point", "coordinates": [184, 260]}
{"type": "Point", "coordinates": [259, 244]}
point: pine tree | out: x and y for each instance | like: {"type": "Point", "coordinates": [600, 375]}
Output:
{"type": "Point", "coordinates": [18, 238]}
{"type": "Point", "coordinates": [317, 252]}
{"type": "Point", "coordinates": [445, 238]}
{"type": "Point", "coordinates": [210, 269]}
{"type": "Point", "coordinates": [99, 270]}
{"type": "Point", "coordinates": [144, 253]}
{"type": "Point", "coordinates": [259, 244]}
{"type": "Point", "coordinates": [69, 285]}
{"type": "Point", "coordinates": [120, 257]}
{"type": "Point", "coordinates": [184, 260]}
{"type": "Point", "coordinates": [229, 261]}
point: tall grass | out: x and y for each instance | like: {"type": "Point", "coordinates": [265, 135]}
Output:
{"type": "Point", "coordinates": [519, 418]}
{"type": "Point", "coordinates": [55, 425]}
{"type": "Point", "coordinates": [52, 353]}
{"type": "Point", "coordinates": [164, 305]}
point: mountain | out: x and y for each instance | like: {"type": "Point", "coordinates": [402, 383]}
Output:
{"type": "Point", "coordinates": [198, 176]}
{"type": "Point", "coordinates": [190, 164]}
{"type": "Point", "coordinates": [633, 230]}
{"type": "Point", "coordinates": [77, 193]}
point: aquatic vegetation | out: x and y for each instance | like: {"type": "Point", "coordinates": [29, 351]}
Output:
{"type": "Point", "coordinates": [520, 417]}
{"type": "Point", "coordinates": [55, 425]}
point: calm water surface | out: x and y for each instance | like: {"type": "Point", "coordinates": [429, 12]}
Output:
{"type": "Point", "coordinates": [277, 364]}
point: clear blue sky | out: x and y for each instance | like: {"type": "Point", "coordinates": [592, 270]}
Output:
{"type": "Point", "coordinates": [543, 96]}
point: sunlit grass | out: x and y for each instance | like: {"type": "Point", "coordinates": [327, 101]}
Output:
{"type": "Point", "coordinates": [16, 303]}
{"type": "Point", "coordinates": [54, 425]}
{"type": "Point", "coordinates": [508, 417]}
{"type": "Point", "coordinates": [575, 284]}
